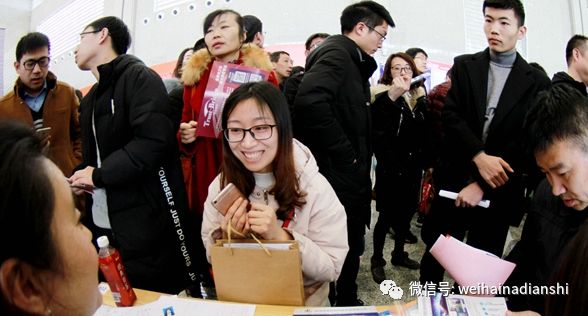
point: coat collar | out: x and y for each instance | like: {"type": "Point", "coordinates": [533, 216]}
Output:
{"type": "Point", "coordinates": [249, 55]}
{"type": "Point", "coordinates": [365, 63]}
{"type": "Point", "coordinates": [519, 80]}
{"type": "Point", "coordinates": [50, 80]}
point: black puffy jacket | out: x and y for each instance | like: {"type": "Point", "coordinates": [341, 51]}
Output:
{"type": "Point", "coordinates": [332, 117]}
{"type": "Point", "coordinates": [140, 172]}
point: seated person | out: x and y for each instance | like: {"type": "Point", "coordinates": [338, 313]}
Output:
{"type": "Point", "coordinates": [572, 270]}
{"type": "Point", "coordinates": [558, 136]}
{"type": "Point", "coordinates": [48, 265]}
{"type": "Point", "coordinates": [288, 198]}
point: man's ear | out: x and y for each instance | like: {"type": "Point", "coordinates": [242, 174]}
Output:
{"type": "Point", "coordinates": [576, 53]}
{"type": "Point", "coordinates": [16, 66]}
{"type": "Point", "coordinates": [22, 287]}
{"type": "Point", "coordinates": [104, 32]}
{"type": "Point", "coordinates": [359, 28]}
{"type": "Point", "coordinates": [522, 32]}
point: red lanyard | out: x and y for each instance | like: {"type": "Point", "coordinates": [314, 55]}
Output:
{"type": "Point", "coordinates": [288, 219]}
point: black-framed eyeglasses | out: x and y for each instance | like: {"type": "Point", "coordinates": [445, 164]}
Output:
{"type": "Point", "coordinates": [399, 69]}
{"type": "Point", "coordinates": [89, 32]}
{"type": "Point", "coordinates": [43, 62]}
{"type": "Point", "coordinates": [258, 132]}
{"type": "Point", "coordinates": [383, 37]}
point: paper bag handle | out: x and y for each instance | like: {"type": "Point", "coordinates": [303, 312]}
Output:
{"type": "Point", "coordinates": [230, 231]}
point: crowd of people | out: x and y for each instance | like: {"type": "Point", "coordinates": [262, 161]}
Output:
{"type": "Point", "coordinates": [127, 161]}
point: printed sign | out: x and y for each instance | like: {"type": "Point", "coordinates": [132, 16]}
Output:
{"type": "Point", "coordinates": [224, 79]}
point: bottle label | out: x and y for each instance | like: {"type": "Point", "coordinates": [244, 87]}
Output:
{"type": "Point", "coordinates": [114, 272]}
{"type": "Point", "coordinates": [116, 297]}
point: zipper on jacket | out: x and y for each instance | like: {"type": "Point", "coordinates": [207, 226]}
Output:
{"type": "Point", "coordinates": [400, 122]}
{"type": "Point", "coordinates": [265, 197]}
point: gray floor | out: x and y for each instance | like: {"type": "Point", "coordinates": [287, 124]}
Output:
{"type": "Point", "coordinates": [369, 291]}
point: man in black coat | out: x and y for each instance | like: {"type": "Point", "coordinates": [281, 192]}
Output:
{"type": "Point", "coordinates": [482, 156]}
{"type": "Point", "coordinates": [557, 129]}
{"type": "Point", "coordinates": [332, 117]}
{"type": "Point", "coordinates": [131, 160]}
{"type": "Point", "coordinates": [577, 60]}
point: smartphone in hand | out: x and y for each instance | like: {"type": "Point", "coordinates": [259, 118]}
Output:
{"type": "Point", "coordinates": [226, 197]}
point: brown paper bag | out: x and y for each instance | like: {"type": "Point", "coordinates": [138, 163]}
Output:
{"type": "Point", "coordinates": [252, 276]}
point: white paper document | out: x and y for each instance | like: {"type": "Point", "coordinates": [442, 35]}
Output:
{"type": "Point", "coordinates": [453, 196]}
{"type": "Point", "coordinates": [172, 305]}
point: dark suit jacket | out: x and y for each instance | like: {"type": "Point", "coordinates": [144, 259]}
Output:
{"type": "Point", "coordinates": [463, 120]}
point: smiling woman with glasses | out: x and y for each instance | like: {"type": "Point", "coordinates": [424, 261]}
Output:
{"type": "Point", "coordinates": [258, 132]}
{"type": "Point", "coordinates": [288, 199]}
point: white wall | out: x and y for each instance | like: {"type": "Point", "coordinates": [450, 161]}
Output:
{"type": "Point", "coordinates": [15, 17]}
{"type": "Point", "coordinates": [550, 24]}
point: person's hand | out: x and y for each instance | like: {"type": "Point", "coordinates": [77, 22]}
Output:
{"type": "Point", "coordinates": [45, 141]}
{"type": "Point", "coordinates": [469, 196]}
{"type": "Point", "coordinates": [264, 222]}
{"type": "Point", "coordinates": [492, 169]}
{"type": "Point", "coordinates": [81, 181]}
{"type": "Point", "coordinates": [399, 87]}
{"type": "Point", "coordinates": [237, 217]}
{"type": "Point", "coordinates": [525, 313]}
{"type": "Point", "coordinates": [188, 132]}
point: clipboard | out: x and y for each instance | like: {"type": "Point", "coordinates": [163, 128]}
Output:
{"type": "Point", "coordinates": [249, 275]}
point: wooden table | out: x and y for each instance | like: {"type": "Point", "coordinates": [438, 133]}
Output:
{"type": "Point", "coordinates": [144, 297]}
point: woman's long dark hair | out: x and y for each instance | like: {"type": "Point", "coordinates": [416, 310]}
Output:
{"type": "Point", "coordinates": [286, 189]}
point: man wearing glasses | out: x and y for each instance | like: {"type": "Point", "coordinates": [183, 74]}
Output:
{"type": "Point", "coordinates": [332, 117]}
{"type": "Point", "coordinates": [44, 103]}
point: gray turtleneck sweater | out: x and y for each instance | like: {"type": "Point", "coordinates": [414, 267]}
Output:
{"type": "Point", "coordinates": [500, 67]}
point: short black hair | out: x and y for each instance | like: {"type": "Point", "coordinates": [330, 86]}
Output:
{"type": "Point", "coordinates": [118, 31]}
{"type": "Point", "coordinates": [30, 43]}
{"type": "Point", "coordinates": [560, 113]}
{"type": "Point", "coordinates": [275, 56]}
{"type": "Point", "coordinates": [369, 12]}
{"type": "Point", "coordinates": [200, 44]}
{"type": "Point", "coordinates": [252, 26]}
{"type": "Point", "coordinates": [313, 37]}
{"type": "Point", "coordinates": [413, 51]}
{"type": "Point", "coordinates": [515, 5]}
{"type": "Point", "coordinates": [577, 41]}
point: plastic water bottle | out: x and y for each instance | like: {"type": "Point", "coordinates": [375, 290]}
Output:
{"type": "Point", "coordinates": [114, 273]}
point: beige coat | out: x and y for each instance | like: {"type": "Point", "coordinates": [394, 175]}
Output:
{"type": "Point", "coordinates": [320, 226]}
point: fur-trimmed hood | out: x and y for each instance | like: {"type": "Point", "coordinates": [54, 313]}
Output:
{"type": "Point", "coordinates": [250, 55]}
